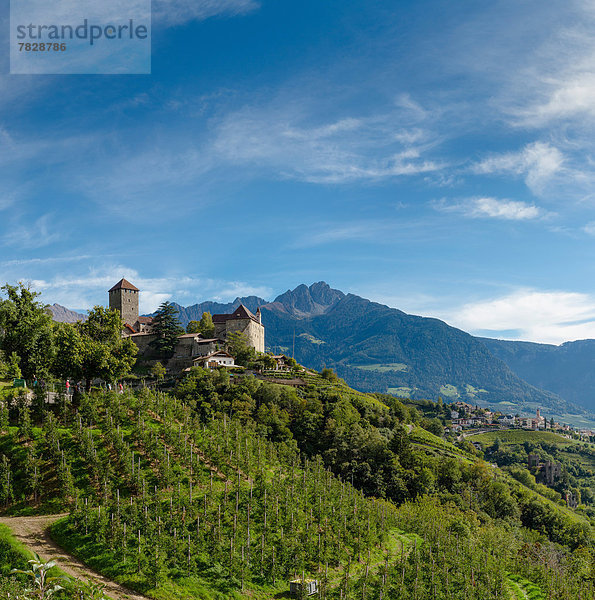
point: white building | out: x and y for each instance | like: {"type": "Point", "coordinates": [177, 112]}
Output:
{"type": "Point", "coordinates": [214, 360]}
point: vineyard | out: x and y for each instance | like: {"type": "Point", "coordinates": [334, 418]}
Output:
{"type": "Point", "coordinates": [176, 505]}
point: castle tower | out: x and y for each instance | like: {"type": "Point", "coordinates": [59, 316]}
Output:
{"type": "Point", "coordinates": [124, 298]}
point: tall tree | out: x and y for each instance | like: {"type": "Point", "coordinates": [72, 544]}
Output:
{"type": "Point", "coordinates": [26, 330]}
{"type": "Point", "coordinates": [167, 327]}
{"type": "Point", "coordinates": [94, 348]}
{"type": "Point", "coordinates": [207, 328]}
{"type": "Point", "coordinates": [239, 346]}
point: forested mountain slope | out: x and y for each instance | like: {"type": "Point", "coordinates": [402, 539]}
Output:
{"type": "Point", "coordinates": [377, 348]}
{"type": "Point", "coordinates": [567, 370]}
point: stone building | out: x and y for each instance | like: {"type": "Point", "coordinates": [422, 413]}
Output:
{"type": "Point", "coordinates": [124, 297]}
{"type": "Point", "coordinates": [242, 321]}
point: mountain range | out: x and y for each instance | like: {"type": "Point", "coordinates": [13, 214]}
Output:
{"type": "Point", "coordinates": [382, 349]}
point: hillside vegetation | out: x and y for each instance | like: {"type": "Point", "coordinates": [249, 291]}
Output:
{"type": "Point", "coordinates": [229, 489]}
{"type": "Point", "coordinates": [566, 370]}
{"type": "Point", "coordinates": [511, 450]}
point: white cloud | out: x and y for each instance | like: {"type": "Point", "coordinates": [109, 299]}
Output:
{"type": "Point", "coordinates": [494, 208]}
{"type": "Point", "coordinates": [590, 228]}
{"type": "Point", "coordinates": [48, 260]}
{"type": "Point", "coordinates": [231, 290]}
{"type": "Point", "coordinates": [176, 12]}
{"type": "Point", "coordinates": [283, 138]}
{"type": "Point", "coordinates": [573, 97]}
{"type": "Point", "coordinates": [532, 315]}
{"type": "Point", "coordinates": [538, 163]}
{"type": "Point", "coordinates": [87, 288]}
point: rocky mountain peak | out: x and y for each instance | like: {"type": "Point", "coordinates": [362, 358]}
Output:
{"type": "Point", "coordinates": [306, 301]}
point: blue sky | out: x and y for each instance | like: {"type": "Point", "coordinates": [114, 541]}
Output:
{"type": "Point", "coordinates": [434, 156]}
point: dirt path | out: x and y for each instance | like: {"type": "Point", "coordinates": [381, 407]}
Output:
{"type": "Point", "coordinates": [32, 532]}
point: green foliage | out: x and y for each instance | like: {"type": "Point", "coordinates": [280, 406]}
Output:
{"type": "Point", "coordinates": [207, 328]}
{"type": "Point", "coordinates": [167, 328]}
{"type": "Point", "coordinates": [231, 487]}
{"type": "Point", "coordinates": [238, 346]}
{"type": "Point", "coordinates": [44, 585]}
{"type": "Point", "coordinates": [94, 348]}
{"type": "Point", "coordinates": [329, 375]}
{"type": "Point", "coordinates": [26, 331]}
{"type": "Point", "coordinates": [13, 370]}
{"type": "Point", "coordinates": [193, 327]}
{"type": "Point", "coordinates": [158, 371]}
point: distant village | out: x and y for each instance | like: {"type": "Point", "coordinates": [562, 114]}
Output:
{"type": "Point", "coordinates": [466, 417]}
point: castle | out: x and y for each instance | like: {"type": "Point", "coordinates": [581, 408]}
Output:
{"type": "Point", "coordinates": [124, 298]}
{"type": "Point", "coordinates": [191, 348]}
{"type": "Point", "coordinates": [241, 321]}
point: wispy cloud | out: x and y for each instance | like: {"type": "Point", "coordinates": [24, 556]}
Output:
{"type": "Point", "coordinates": [340, 233]}
{"type": "Point", "coordinates": [538, 163]}
{"type": "Point", "coordinates": [48, 260]}
{"type": "Point", "coordinates": [177, 12]}
{"type": "Point", "coordinates": [533, 315]}
{"type": "Point", "coordinates": [491, 208]}
{"type": "Point", "coordinates": [142, 182]}
{"type": "Point", "coordinates": [41, 232]}
{"type": "Point", "coordinates": [285, 139]}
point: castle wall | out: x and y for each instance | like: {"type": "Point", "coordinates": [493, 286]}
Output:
{"type": "Point", "coordinates": [143, 343]}
{"type": "Point", "coordinates": [254, 332]}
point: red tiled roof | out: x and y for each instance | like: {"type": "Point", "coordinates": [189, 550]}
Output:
{"type": "Point", "coordinates": [241, 312]}
{"type": "Point", "coordinates": [124, 285]}
{"type": "Point", "coordinates": [145, 320]}
{"type": "Point", "coordinates": [130, 328]}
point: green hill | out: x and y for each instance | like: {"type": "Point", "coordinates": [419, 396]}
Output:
{"type": "Point", "coordinates": [229, 489]}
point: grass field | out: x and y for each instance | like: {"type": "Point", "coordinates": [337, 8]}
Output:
{"type": "Point", "coordinates": [383, 368]}
{"type": "Point", "coordinates": [425, 438]}
{"type": "Point", "coordinates": [311, 339]}
{"type": "Point", "coordinates": [401, 392]}
{"type": "Point", "coordinates": [450, 391]}
{"type": "Point", "coordinates": [12, 553]}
